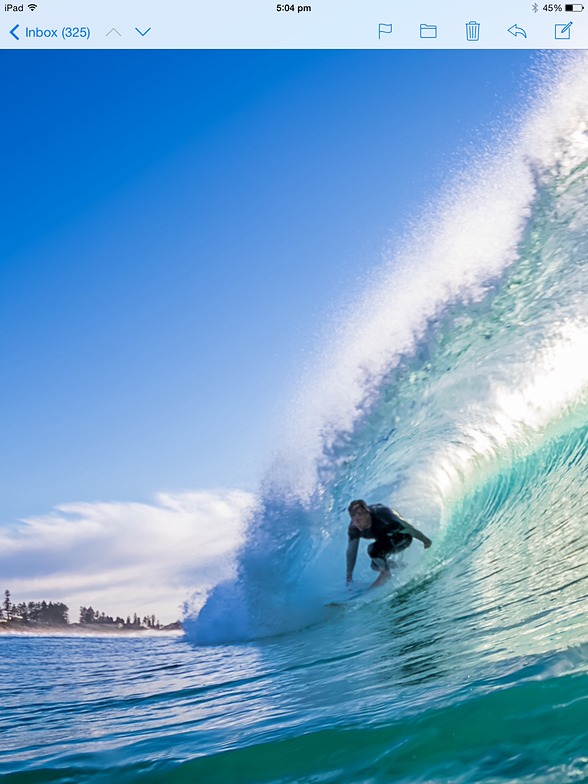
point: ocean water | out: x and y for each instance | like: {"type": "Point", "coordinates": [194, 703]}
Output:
{"type": "Point", "coordinates": [463, 406]}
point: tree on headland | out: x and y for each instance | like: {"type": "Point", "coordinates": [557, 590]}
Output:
{"type": "Point", "coordinates": [57, 614]}
{"type": "Point", "coordinates": [21, 611]}
{"type": "Point", "coordinates": [87, 615]}
{"type": "Point", "coordinates": [52, 613]}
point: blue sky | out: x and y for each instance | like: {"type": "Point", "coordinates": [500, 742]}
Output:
{"type": "Point", "coordinates": [178, 228]}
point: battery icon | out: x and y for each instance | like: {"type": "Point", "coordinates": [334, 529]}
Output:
{"type": "Point", "coordinates": [574, 7]}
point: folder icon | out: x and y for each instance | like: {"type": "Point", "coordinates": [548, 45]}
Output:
{"type": "Point", "coordinates": [428, 31]}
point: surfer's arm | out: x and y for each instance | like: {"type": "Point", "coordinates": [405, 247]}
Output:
{"type": "Point", "coordinates": [414, 532]}
{"type": "Point", "coordinates": [409, 529]}
{"type": "Point", "coordinates": [351, 557]}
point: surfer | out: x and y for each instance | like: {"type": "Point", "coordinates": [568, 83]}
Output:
{"type": "Point", "coordinates": [391, 532]}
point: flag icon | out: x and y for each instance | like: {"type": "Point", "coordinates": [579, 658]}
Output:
{"type": "Point", "coordinates": [384, 29]}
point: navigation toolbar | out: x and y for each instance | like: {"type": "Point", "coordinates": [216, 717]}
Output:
{"type": "Point", "coordinates": [318, 24]}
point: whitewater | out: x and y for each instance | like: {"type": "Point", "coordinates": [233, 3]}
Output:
{"type": "Point", "coordinates": [461, 401]}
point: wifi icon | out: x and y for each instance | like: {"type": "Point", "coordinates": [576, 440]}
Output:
{"type": "Point", "coordinates": [32, 6]}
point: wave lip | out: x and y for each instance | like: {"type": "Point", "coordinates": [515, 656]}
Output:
{"type": "Point", "coordinates": [471, 359]}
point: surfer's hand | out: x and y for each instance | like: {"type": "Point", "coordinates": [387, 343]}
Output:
{"type": "Point", "coordinates": [349, 580]}
{"type": "Point", "coordinates": [427, 543]}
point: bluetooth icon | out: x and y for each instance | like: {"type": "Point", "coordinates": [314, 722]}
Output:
{"type": "Point", "coordinates": [535, 7]}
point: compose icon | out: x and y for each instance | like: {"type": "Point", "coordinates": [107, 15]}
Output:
{"type": "Point", "coordinates": [472, 31]}
{"type": "Point", "coordinates": [562, 31]}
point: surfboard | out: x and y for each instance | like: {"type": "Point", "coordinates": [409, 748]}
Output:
{"type": "Point", "coordinates": [349, 597]}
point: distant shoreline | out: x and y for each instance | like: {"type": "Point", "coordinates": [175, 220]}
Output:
{"type": "Point", "coordinates": [32, 629]}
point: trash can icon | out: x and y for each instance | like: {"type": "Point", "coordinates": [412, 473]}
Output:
{"type": "Point", "coordinates": [473, 31]}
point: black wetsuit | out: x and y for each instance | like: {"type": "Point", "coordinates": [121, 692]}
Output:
{"type": "Point", "coordinates": [386, 528]}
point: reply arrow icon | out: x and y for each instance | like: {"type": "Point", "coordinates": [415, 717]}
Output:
{"type": "Point", "coordinates": [516, 30]}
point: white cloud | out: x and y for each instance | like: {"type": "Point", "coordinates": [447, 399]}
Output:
{"type": "Point", "coordinates": [123, 558]}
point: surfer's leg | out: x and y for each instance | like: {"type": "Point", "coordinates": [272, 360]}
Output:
{"type": "Point", "coordinates": [383, 578]}
{"type": "Point", "coordinates": [398, 547]}
{"type": "Point", "coordinates": [379, 564]}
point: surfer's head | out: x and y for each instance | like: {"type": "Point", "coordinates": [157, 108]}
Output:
{"type": "Point", "coordinates": [360, 514]}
